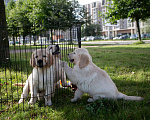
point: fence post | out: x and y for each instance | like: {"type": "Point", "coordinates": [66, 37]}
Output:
{"type": "Point", "coordinates": [79, 34]}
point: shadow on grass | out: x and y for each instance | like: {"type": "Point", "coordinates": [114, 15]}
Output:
{"type": "Point", "coordinates": [104, 108]}
{"type": "Point", "coordinates": [63, 108]}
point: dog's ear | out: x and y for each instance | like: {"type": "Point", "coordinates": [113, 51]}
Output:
{"type": "Point", "coordinates": [50, 60]}
{"type": "Point", "coordinates": [83, 61]}
{"type": "Point", "coordinates": [32, 61]}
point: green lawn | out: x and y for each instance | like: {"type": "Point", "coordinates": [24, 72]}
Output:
{"type": "Point", "coordinates": [127, 65]}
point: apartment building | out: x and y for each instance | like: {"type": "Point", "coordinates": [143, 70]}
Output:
{"type": "Point", "coordinates": [123, 26]}
{"type": "Point", "coordinates": [93, 10]}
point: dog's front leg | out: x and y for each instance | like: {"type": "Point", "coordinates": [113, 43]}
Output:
{"type": "Point", "coordinates": [63, 78]}
{"type": "Point", "coordinates": [48, 96]}
{"type": "Point", "coordinates": [33, 90]}
{"type": "Point", "coordinates": [25, 92]}
{"type": "Point", "coordinates": [78, 94]}
{"type": "Point", "coordinates": [68, 71]}
{"type": "Point", "coordinates": [40, 95]}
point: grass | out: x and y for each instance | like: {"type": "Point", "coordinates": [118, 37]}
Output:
{"type": "Point", "coordinates": [127, 65]}
{"type": "Point", "coordinates": [139, 42]}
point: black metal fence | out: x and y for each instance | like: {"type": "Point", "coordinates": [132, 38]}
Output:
{"type": "Point", "coordinates": [15, 72]}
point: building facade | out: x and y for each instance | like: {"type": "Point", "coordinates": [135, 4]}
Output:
{"type": "Point", "coordinates": [124, 26]}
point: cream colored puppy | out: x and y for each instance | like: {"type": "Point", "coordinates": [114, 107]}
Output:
{"type": "Point", "coordinates": [59, 71]}
{"type": "Point", "coordinates": [91, 79]}
{"type": "Point", "coordinates": [43, 79]}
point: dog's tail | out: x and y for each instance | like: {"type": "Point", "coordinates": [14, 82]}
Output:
{"type": "Point", "coordinates": [126, 97]}
{"type": "Point", "coordinates": [19, 84]}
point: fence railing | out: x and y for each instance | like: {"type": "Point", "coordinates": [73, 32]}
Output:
{"type": "Point", "coordinates": [17, 70]}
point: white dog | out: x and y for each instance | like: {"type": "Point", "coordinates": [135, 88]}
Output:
{"type": "Point", "coordinates": [91, 79]}
{"type": "Point", "coordinates": [45, 75]}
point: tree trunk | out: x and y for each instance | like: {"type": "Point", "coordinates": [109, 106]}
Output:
{"type": "Point", "coordinates": [138, 27]}
{"type": "Point", "coordinates": [4, 49]}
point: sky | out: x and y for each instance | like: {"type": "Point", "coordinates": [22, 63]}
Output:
{"type": "Point", "coordinates": [83, 2]}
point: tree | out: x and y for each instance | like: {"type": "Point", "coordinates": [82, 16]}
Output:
{"type": "Point", "coordinates": [91, 30]}
{"type": "Point", "coordinates": [4, 49]}
{"type": "Point", "coordinates": [62, 14]}
{"type": "Point", "coordinates": [136, 10]}
{"type": "Point", "coordinates": [17, 18]}
{"type": "Point", "coordinates": [37, 16]}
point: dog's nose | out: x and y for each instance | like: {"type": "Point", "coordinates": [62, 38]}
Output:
{"type": "Point", "coordinates": [68, 54]}
{"type": "Point", "coordinates": [40, 63]}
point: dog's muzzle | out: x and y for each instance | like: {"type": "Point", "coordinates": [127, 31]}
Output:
{"type": "Point", "coordinates": [40, 63]}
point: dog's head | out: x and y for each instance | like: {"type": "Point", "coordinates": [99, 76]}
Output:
{"type": "Point", "coordinates": [44, 57]}
{"type": "Point", "coordinates": [80, 57]}
{"type": "Point", "coordinates": [54, 50]}
{"type": "Point", "coordinates": [40, 58]}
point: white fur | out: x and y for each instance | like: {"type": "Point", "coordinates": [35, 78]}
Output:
{"type": "Point", "coordinates": [92, 80]}
{"type": "Point", "coordinates": [39, 80]}
{"type": "Point", "coordinates": [42, 81]}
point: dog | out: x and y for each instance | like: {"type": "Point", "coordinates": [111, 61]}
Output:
{"type": "Point", "coordinates": [91, 79]}
{"type": "Point", "coordinates": [60, 73]}
{"type": "Point", "coordinates": [45, 75]}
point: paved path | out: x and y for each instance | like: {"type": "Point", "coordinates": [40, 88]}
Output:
{"type": "Point", "coordinates": [91, 42]}
{"type": "Point", "coordinates": [21, 51]}
{"type": "Point", "coordinates": [114, 42]}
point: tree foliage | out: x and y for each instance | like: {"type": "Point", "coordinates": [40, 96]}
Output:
{"type": "Point", "coordinates": [38, 15]}
{"type": "Point", "coordinates": [134, 9]}
{"type": "Point", "coordinates": [17, 18]}
{"type": "Point", "coordinates": [91, 30]}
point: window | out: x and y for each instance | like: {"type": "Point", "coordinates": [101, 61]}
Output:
{"type": "Point", "coordinates": [103, 11]}
{"type": "Point", "coordinates": [103, 2]}
{"type": "Point", "coordinates": [132, 24]}
{"type": "Point", "coordinates": [129, 25]}
{"type": "Point", "coordinates": [94, 4]}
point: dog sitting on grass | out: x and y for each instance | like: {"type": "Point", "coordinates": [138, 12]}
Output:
{"type": "Point", "coordinates": [91, 79]}
{"type": "Point", "coordinates": [45, 75]}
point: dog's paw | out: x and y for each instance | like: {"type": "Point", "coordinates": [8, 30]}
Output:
{"type": "Point", "coordinates": [90, 100]}
{"type": "Point", "coordinates": [20, 101]}
{"type": "Point", "coordinates": [63, 64]}
{"type": "Point", "coordinates": [48, 103]}
{"type": "Point", "coordinates": [73, 100]}
{"type": "Point", "coordinates": [31, 102]}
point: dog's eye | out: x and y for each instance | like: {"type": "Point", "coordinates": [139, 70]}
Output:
{"type": "Point", "coordinates": [44, 55]}
{"type": "Point", "coordinates": [36, 56]}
